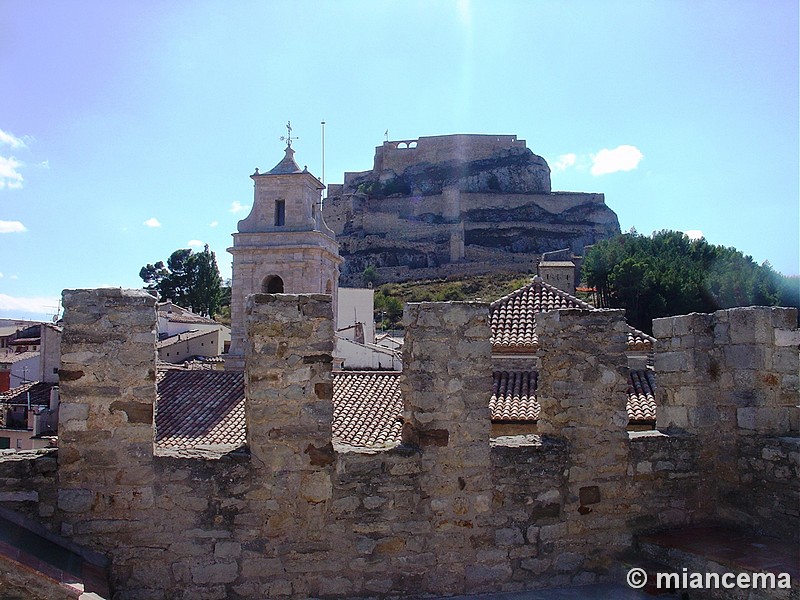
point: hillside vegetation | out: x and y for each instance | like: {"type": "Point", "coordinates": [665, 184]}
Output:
{"type": "Point", "coordinates": [669, 274]}
{"type": "Point", "coordinates": [390, 297]}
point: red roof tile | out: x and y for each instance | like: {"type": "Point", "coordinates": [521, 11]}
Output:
{"type": "Point", "coordinates": [513, 318]}
{"type": "Point", "coordinates": [367, 409]}
{"type": "Point", "coordinates": [39, 393]}
{"type": "Point", "coordinates": [514, 396]}
{"type": "Point", "coordinates": [200, 408]}
{"type": "Point", "coordinates": [641, 396]}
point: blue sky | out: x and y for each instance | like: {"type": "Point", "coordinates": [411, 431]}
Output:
{"type": "Point", "coordinates": [129, 129]}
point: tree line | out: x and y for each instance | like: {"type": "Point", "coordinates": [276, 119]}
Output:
{"type": "Point", "coordinates": [669, 274]}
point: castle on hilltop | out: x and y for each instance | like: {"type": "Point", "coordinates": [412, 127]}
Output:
{"type": "Point", "coordinates": [455, 205]}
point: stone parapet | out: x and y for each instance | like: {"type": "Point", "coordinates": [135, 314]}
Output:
{"type": "Point", "coordinates": [449, 511]}
{"type": "Point", "coordinates": [735, 370]}
{"type": "Point", "coordinates": [731, 379]}
{"type": "Point", "coordinates": [108, 390]}
{"type": "Point", "coordinates": [288, 378]}
{"type": "Point", "coordinates": [582, 393]}
{"type": "Point", "coordinates": [446, 381]}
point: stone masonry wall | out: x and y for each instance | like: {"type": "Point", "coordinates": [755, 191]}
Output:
{"type": "Point", "coordinates": [446, 512]}
{"type": "Point", "coordinates": [105, 457]}
{"type": "Point", "coordinates": [28, 483]}
{"type": "Point", "coordinates": [731, 379]}
{"type": "Point", "coordinates": [582, 393]}
{"type": "Point", "coordinates": [447, 359]}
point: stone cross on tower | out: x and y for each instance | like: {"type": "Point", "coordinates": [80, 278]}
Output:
{"type": "Point", "coordinates": [288, 137]}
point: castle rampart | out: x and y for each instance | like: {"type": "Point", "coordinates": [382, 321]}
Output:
{"type": "Point", "coordinates": [399, 155]}
{"type": "Point", "coordinates": [449, 511]}
{"type": "Point", "coordinates": [484, 201]}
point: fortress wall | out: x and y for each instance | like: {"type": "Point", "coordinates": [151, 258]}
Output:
{"type": "Point", "coordinates": [731, 379]}
{"type": "Point", "coordinates": [583, 401]}
{"type": "Point", "coordinates": [105, 456]}
{"type": "Point", "coordinates": [444, 513]}
{"type": "Point", "coordinates": [421, 236]}
{"type": "Point", "coordinates": [28, 484]}
{"type": "Point", "coordinates": [398, 156]}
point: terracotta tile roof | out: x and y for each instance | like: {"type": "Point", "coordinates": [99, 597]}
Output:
{"type": "Point", "coordinates": [639, 340]}
{"type": "Point", "coordinates": [514, 396]}
{"type": "Point", "coordinates": [28, 341]}
{"type": "Point", "coordinates": [367, 409]}
{"type": "Point", "coordinates": [182, 337]}
{"type": "Point", "coordinates": [12, 357]}
{"type": "Point", "coordinates": [39, 393]}
{"type": "Point", "coordinates": [641, 395]}
{"type": "Point", "coordinates": [177, 314]}
{"type": "Point", "coordinates": [200, 408]}
{"type": "Point", "coordinates": [513, 318]}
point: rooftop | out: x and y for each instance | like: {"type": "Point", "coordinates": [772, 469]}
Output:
{"type": "Point", "coordinates": [206, 408]}
{"type": "Point", "coordinates": [513, 318]}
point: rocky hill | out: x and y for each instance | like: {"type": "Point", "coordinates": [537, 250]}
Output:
{"type": "Point", "coordinates": [458, 204]}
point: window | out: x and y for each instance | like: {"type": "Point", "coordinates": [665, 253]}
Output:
{"type": "Point", "coordinates": [272, 285]}
{"type": "Point", "coordinates": [5, 443]}
{"type": "Point", "coordinates": [280, 213]}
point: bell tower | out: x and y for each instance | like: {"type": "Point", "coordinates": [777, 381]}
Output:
{"type": "Point", "coordinates": [283, 245]}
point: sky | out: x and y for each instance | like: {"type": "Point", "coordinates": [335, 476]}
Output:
{"type": "Point", "coordinates": [129, 129]}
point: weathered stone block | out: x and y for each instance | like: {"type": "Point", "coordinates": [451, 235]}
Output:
{"type": "Point", "coordinates": [215, 573]}
{"type": "Point", "coordinates": [75, 500]}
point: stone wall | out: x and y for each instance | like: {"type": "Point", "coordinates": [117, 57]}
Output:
{"type": "Point", "coordinates": [731, 379]}
{"type": "Point", "coordinates": [449, 511]}
{"type": "Point", "coordinates": [28, 483]}
{"type": "Point", "coordinates": [106, 498]}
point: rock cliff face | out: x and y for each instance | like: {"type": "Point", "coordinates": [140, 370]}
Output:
{"type": "Point", "coordinates": [460, 204]}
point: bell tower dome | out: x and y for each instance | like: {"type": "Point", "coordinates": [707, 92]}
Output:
{"type": "Point", "coordinates": [283, 245]}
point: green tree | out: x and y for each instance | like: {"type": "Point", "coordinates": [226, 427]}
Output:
{"type": "Point", "coordinates": [370, 276]}
{"type": "Point", "coordinates": [669, 274]}
{"type": "Point", "coordinates": [189, 279]}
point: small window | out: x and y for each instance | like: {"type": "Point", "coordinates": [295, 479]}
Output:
{"type": "Point", "coordinates": [280, 213]}
{"type": "Point", "coordinates": [5, 443]}
{"type": "Point", "coordinates": [272, 285]}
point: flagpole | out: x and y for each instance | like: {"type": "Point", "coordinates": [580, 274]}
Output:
{"type": "Point", "coordinates": [323, 152]}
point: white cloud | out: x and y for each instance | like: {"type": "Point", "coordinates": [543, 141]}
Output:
{"type": "Point", "coordinates": [621, 158]}
{"type": "Point", "coordinates": [12, 227]}
{"type": "Point", "coordinates": [693, 234]}
{"type": "Point", "coordinates": [11, 140]}
{"type": "Point", "coordinates": [195, 244]}
{"type": "Point", "coordinates": [152, 222]}
{"type": "Point", "coordinates": [237, 207]}
{"type": "Point", "coordinates": [1, 275]}
{"type": "Point", "coordinates": [42, 304]}
{"type": "Point", "coordinates": [10, 176]}
{"type": "Point", "coordinates": [564, 161]}
{"type": "Point", "coordinates": [213, 223]}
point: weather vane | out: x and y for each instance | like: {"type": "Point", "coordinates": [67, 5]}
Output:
{"type": "Point", "coordinates": [288, 138]}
